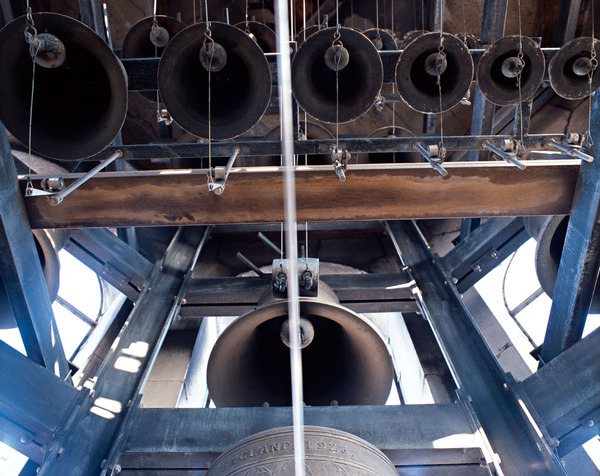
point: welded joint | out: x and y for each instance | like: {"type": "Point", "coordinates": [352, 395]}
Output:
{"type": "Point", "coordinates": [434, 154]}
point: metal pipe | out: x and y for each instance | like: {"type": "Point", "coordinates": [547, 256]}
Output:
{"type": "Point", "coordinates": [573, 152]}
{"type": "Point", "coordinates": [58, 198]}
{"type": "Point", "coordinates": [272, 245]}
{"type": "Point", "coordinates": [250, 265]}
{"type": "Point", "coordinates": [507, 156]}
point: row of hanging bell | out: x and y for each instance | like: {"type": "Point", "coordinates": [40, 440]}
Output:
{"type": "Point", "coordinates": [80, 95]}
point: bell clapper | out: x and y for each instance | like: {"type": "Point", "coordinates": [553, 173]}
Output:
{"type": "Point", "coordinates": [307, 333]}
{"type": "Point", "coordinates": [435, 155]}
{"type": "Point", "coordinates": [339, 160]}
{"type": "Point", "coordinates": [217, 182]}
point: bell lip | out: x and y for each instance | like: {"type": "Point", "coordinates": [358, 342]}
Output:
{"type": "Point", "coordinates": [375, 71]}
{"type": "Point", "coordinates": [489, 91]}
{"type": "Point", "coordinates": [165, 21]}
{"type": "Point", "coordinates": [547, 276]}
{"type": "Point", "coordinates": [405, 57]}
{"type": "Point", "coordinates": [261, 28]}
{"type": "Point", "coordinates": [118, 84]}
{"type": "Point", "coordinates": [387, 38]}
{"type": "Point", "coordinates": [556, 65]}
{"type": "Point", "coordinates": [308, 430]}
{"type": "Point", "coordinates": [278, 308]}
{"type": "Point", "coordinates": [165, 67]}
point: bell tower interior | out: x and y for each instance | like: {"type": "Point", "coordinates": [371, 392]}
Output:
{"type": "Point", "coordinates": [304, 237]}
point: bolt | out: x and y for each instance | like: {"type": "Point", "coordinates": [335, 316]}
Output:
{"type": "Point", "coordinates": [477, 268]}
{"type": "Point", "coordinates": [105, 270]}
{"type": "Point", "coordinates": [149, 288]}
{"type": "Point", "coordinates": [590, 423]}
{"type": "Point", "coordinates": [446, 282]}
{"type": "Point", "coordinates": [24, 439]}
{"type": "Point", "coordinates": [118, 468]}
{"type": "Point", "coordinates": [455, 280]}
{"type": "Point", "coordinates": [60, 451]}
{"type": "Point", "coordinates": [495, 255]}
{"type": "Point", "coordinates": [183, 302]}
{"type": "Point", "coordinates": [160, 268]}
{"type": "Point", "coordinates": [505, 385]}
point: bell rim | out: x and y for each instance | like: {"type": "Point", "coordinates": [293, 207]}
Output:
{"type": "Point", "coordinates": [265, 29]}
{"type": "Point", "coordinates": [490, 55]}
{"type": "Point", "coordinates": [164, 75]}
{"type": "Point", "coordinates": [142, 24]}
{"type": "Point", "coordinates": [406, 60]}
{"type": "Point", "coordinates": [110, 62]}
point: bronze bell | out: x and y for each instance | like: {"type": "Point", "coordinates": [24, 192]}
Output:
{"type": "Point", "coordinates": [422, 62]}
{"type": "Point", "coordinates": [139, 41]}
{"type": "Point", "coordinates": [500, 66]}
{"type": "Point", "coordinates": [305, 33]}
{"type": "Point", "coordinates": [343, 95]}
{"type": "Point", "coordinates": [346, 361]}
{"type": "Point", "coordinates": [261, 33]}
{"type": "Point", "coordinates": [328, 452]}
{"type": "Point", "coordinates": [382, 39]}
{"type": "Point", "coordinates": [570, 67]}
{"type": "Point", "coordinates": [409, 37]}
{"type": "Point", "coordinates": [550, 233]}
{"type": "Point", "coordinates": [79, 106]}
{"type": "Point", "coordinates": [48, 244]}
{"type": "Point", "coordinates": [390, 157]}
{"type": "Point", "coordinates": [240, 80]}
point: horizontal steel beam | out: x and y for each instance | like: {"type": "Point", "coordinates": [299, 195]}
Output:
{"type": "Point", "coordinates": [359, 292]}
{"type": "Point", "coordinates": [34, 403]}
{"type": "Point", "coordinates": [180, 438]}
{"type": "Point", "coordinates": [319, 146]}
{"type": "Point", "coordinates": [565, 392]}
{"type": "Point", "coordinates": [254, 195]}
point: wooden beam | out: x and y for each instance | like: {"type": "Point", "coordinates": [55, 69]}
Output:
{"type": "Point", "coordinates": [254, 195]}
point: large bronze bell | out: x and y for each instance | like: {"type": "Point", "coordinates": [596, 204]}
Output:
{"type": "Point", "coordinates": [337, 80]}
{"type": "Point", "coordinates": [141, 40]}
{"type": "Point", "coordinates": [261, 33]}
{"type": "Point", "coordinates": [240, 80]}
{"type": "Point", "coordinates": [345, 362]}
{"type": "Point", "coordinates": [422, 62]}
{"type": "Point", "coordinates": [382, 39]}
{"type": "Point", "coordinates": [571, 66]}
{"type": "Point", "coordinates": [48, 244]}
{"type": "Point", "coordinates": [328, 452]}
{"type": "Point", "coordinates": [550, 233]}
{"type": "Point", "coordinates": [79, 106]}
{"type": "Point", "coordinates": [500, 66]}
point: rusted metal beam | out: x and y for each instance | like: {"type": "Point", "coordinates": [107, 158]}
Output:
{"type": "Point", "coordinates": [402, 191]}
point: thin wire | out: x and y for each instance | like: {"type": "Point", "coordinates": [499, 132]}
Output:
{"type": "Point", "coordinates": [263, 11]}
{"type": "Point", "coordinates": [377, 15]}
{"type": "Point", "coordinates": [194, 10]}
{"type": "Point", "coordinates": [594, 64]}
{"type": "Point", "coordinates": [287, 145]}
{"type": "Point", "coordinates": [439, 78]}
{"type": "Point", "coordinates": [464, 17]}
{"type": "Point", "coordinates": [519, 76]}
{"type": "Point", "coordinates": [338, 58]}
{"type": "Point", "coordinates": [392, 20]}
{"type": "Point", "coordinates": [319, 13]}
{"type": "Point", "coordinates": [30, 38]}
{"type": "Point", "coordinates": [306, 238]}
{"type": "Point", "coordinates": [423, 15]}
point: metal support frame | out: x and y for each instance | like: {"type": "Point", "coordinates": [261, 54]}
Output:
{"type": "Point", "coordinates": [22, 272]}
{"type": "Point", "coordinates": [254, 195]}
{"type": "Point", "coordinates": [112, 259]}
{"type": "Point", "coordinates": [94, 427]}
{"type": "Point", "coordinates": [567, 25]}
{"type": "Point", "coordinates": [92, 16]}
{"type": "Point", "coordinates": [390, 292]}
{"type": "Point", "coordinates": [180, 440]}
{"type": "Point", "coordinates": [580, 261]}
{"type": "Point", "coordinates": [484, 249]}
{"type": "Point", "coordinates": [513, 435]}
{"type": "Point", "coordinates": [565, 392]}
{"type": "Point", "coordinates": [34, 404]}
{"type": "Point", "coordinates": [494, 19]}
{"type": "Point", "coordinates": [11, 9]}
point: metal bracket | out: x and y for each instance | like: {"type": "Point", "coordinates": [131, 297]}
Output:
{"type": "Point", "coordinates": [435, 155]}
{"type": "Point", "coordinates": [56, 191]}
{"type": "Point", "coordinates": [571, 150]}
{"type": "Point", "coordinates": [308, 277]}
{"type": "Point", "coordinates": [339, 160]}
{"type": "Point", "coordinates": [509, 155]}
{"type": "Point", "coordinates": [216, 182]}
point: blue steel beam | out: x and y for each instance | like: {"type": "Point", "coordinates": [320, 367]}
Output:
{"type": "Point", "coordinates": [494, 19]}
{"type": "Point", "coordinates": [565, 393]}
{"type": "Point", "coordinates": [580, 261]}
{"type": "Point", "coordinates": [94, 429]}
{"type": "Point", "coordinates": [511, 432]}
{"type": "Point", "coordinates": [33, 403]}
{"type": "Point", "coordinates": [22, 272]}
